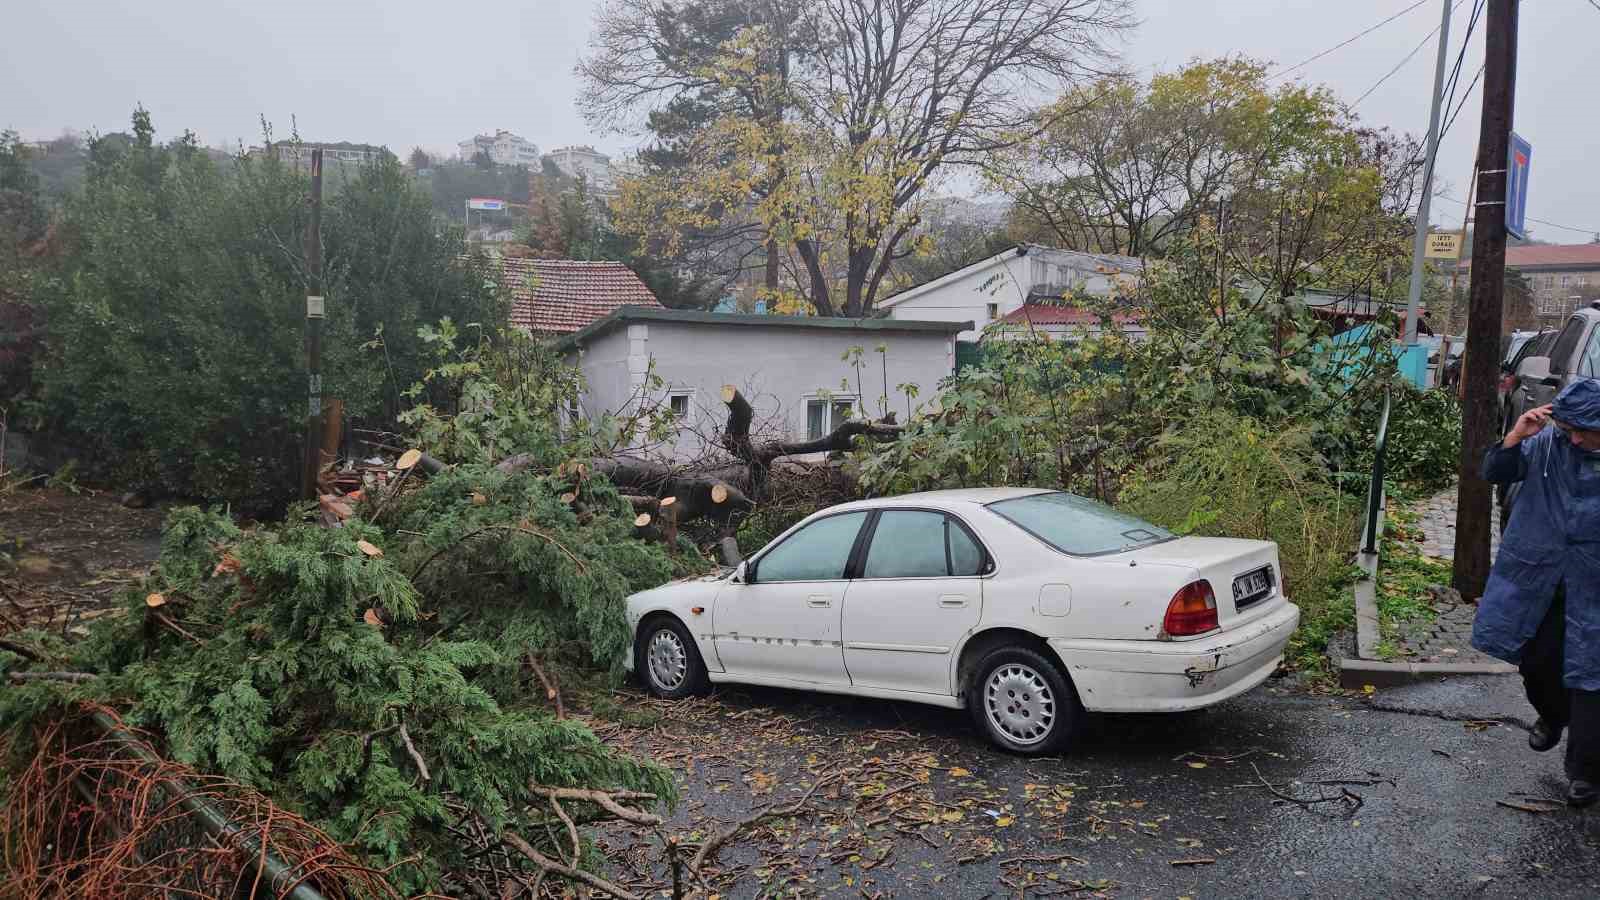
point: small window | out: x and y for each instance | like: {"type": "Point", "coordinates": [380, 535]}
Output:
{"type": "Point", "coordinates": [907, 544]}
{"type": "Point", "coordinates": [994, 311]}
{"type": "Point", "coordinates": [920, 544]}
{"type": "Point", "coordinates": [824, 414]}
{"type": "Point", "coordinates": [817, 552]}
{"type": "Point", "coordinates": [966, 557]}
{"type": "Point", "coordinates": [679, 404]}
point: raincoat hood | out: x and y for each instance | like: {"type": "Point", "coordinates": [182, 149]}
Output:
{"type": "Point", "coordinates": [1578, 405]}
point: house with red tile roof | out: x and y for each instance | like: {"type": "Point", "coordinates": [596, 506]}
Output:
{"type": "Point", "coordinates": [557, 297]}
{"type": "Point", "coordinates": [1563, 277]}
{"type": "Point", "coordinates": [1061, 322]}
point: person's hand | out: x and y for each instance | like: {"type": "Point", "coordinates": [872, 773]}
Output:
{"type": "Point", "coordinates": [1531, 423]}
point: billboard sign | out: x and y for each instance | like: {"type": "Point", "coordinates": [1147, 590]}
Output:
{"type": "Point", "coordinates": [1517, 186]}
{"type": "Point", "coordinates": [486, 203]}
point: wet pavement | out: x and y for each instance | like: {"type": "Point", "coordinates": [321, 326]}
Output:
{"type": "Point", "coordinates": [924, 807]}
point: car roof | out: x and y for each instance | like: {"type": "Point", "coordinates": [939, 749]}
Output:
{"type": "Point", "coordinates": [944, 499]}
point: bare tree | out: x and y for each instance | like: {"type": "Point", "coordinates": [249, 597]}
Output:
{"type": "Point", "coordinates": [837, 156]}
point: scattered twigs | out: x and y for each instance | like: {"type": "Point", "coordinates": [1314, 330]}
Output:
{"type": "Point", "coordinates": [550, 691]}
{"type": "Point", "coordinates": [422, 767]}
{"type": "Point", "coordinates": [708, 850]}
{"type": "Point", "coordinates": [69, 677]}
{"type": "Point", "coordinates": [610, 801]}
{"type": "Point", "coordinates": [21, 649]}
{"type": "Point", "coordinates": [545, 863]}
{"type": "Point", "coordinates": [1197, 861]}
{"type": "Point", "coordinates": [1545, 807]}
{"type": "Point", "coordinates": [174, 627]}
{"type": "Point", "coordinates": [366, 748]}
{"type": "Point", "coordinates": [1352, 800]}
{"type": "Point", "coordinates": [1210, 758]}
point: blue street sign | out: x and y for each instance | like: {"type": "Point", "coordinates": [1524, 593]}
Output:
{"type": "Point", "coordinates": [1517, 186]}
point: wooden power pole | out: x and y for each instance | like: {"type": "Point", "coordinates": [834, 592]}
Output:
{"type": "Point", "coordinates": [313, 448]}
{"type": "Point", "coordinates": [1480, 368]}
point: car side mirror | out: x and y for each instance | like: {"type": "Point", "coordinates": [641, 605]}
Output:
{"type": "Point", "coordinates": [1536, 369]}
{"type": "Point", "coordinates": [743, 573]}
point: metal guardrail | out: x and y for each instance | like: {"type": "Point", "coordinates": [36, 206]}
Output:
{"type": "Point", "coordinates": [1369, 531]}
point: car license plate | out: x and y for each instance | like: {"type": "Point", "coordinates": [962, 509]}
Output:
{"type": "Point", "coordinates": [1252, 586]}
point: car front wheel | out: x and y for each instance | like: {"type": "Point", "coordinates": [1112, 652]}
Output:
{"type": "Point", "coordinates": [1023, 701]}
{"type": "Point", "coordinates": [666, 658]}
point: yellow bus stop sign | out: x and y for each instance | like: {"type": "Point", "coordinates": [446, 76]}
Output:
{"type": "Point", "coordinates": [1444, 245]}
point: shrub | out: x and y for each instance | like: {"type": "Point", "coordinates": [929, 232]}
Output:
{"type": "Point", "coordinates": [1230, 476]}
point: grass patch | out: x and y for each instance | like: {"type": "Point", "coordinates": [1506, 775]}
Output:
{"type": "Point", "coordinates": [1404, 576]}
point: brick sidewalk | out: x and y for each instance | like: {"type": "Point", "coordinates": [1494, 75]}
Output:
{"type": "Point", "coordinates": [1448, 637]}
{"type": "Point", "coordinates": [1436, 516]}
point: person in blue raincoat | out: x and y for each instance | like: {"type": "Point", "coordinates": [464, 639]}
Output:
{"type": "Point", "coordinates": [1541, 606]}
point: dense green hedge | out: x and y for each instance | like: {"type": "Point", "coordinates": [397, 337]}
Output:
{"type": "Point", "coordinates": [176, 313]}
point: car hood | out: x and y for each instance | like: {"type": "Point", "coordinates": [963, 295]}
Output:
{"type": "Point", "coordinates": [692, 587]}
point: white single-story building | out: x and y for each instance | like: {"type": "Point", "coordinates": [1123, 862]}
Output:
{"type": "Point", "coordinates": [991, 289]}
{"type": "Point", "coordinates": [802, 374]}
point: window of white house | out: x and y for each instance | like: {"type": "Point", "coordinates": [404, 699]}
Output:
{"type": "Point", "coordinates": [1566, 281]}
{"type": "Point", "coordinates": [679, 404]}
{"type": "Point", "coordinates": [994, 311]}
{"type": "Point", "coordinates": [824, 414]}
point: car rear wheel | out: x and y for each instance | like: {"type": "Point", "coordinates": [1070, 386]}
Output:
{"type": "Point", "coordinates": [1023, 701]}
{"type": "Point", "coordinates": [667, 660]}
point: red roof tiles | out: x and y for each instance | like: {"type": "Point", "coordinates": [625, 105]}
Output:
{"type": "Point", "coordinates": [1570, 256]}
{"type": "Point", "coordinates": [1052, 314]}
{"type": "Point", "coordinates": [560, 296]}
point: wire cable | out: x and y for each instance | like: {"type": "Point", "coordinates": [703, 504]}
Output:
{"type": "Point", "coordinates": [1402, 64]}
{"type": "Point", "coordinates": [1578, 228]}
{"type": "Point", "coordinates": [1341, 45]}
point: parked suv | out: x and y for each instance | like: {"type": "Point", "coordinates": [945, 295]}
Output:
{"type": "Point", "coordinates": [1574, 353]}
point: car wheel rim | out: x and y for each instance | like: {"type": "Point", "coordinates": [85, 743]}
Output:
{"type": "Point", "coordinates": [1020, 704]}
{"type": "Point", "coordinates": [669, 662]}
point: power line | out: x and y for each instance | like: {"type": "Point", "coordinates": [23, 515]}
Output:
{"type": "Point", "coordinates": [1464, 98]}
{"type": "Point", "coordinates": [1341, 45]}
{"type": "Point", "coordinates": [1578, 228]}
{"type": "Point", "coordinates": [1408, 57]}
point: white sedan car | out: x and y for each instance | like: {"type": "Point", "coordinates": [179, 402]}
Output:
{"type": "Point", "coordinates": [1025, 606]}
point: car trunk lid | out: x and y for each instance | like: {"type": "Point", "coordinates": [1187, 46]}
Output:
{"type": "Point", "coordinates": [1245, 574]}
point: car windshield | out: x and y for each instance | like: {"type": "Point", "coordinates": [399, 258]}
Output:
{"type": "Point", "coordinates": [1078, 526]}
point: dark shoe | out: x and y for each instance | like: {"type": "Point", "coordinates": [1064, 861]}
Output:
{"type": "Point", "coordinates": [1544, 736]}
{"type": "Point", "coordinates": [1582, 793]}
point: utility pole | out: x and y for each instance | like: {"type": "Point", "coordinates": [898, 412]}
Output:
{"type": "Point", "coordinates": [1480, 368]}
{"type": "Point", "coordinates": [313, 457]}
{"type": "Point", "coordinates": [1420, 242]}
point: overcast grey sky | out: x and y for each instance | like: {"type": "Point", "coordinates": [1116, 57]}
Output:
{"type": "Point", "coordinates": [405, 73]}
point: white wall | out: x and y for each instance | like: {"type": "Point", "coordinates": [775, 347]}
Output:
{"type": "Point", "coordinates": [1006, 283]}
{"type": "Point", "coordinates": [777, 369]}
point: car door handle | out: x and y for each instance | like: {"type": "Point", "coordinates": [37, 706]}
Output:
{"type": "Point", "coordinates": [953, 601]}
{"type": "Point", "coordinates": [819, 600]}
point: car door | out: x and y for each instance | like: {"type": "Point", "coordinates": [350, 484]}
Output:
{"type": "Point", "coordinates": [1563, 364]}
{"type": "Point", "coordinates": [784, 620]}
{"type": "Point", "coordinates": [919, 590]}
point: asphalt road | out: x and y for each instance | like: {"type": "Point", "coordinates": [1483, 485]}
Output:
{"type": "Point", "coordinates": [1424, 765]}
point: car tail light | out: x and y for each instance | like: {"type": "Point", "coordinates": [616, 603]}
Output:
{"type": "Point", "coordinates": [1193, 610]}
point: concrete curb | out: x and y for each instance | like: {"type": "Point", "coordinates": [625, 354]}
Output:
{"type": "Point", "coordinates": [1358, 673]}
{"type": "Point", "coordinates": [1365, 668]}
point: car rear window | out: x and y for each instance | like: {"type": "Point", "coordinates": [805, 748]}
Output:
{"type": "Point", "coordinates": [1078, 526]}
